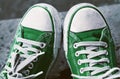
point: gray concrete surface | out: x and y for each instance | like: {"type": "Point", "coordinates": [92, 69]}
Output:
{"type": "Point", "coordinates": [60, 70]}
{"type": "Point", "coordinates": [16, 8]}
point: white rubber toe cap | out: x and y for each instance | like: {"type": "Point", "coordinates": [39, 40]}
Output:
{"type": "Point", "coordinates": [37, 18]}
{"type": "Point", "coordinates": [87, 19]}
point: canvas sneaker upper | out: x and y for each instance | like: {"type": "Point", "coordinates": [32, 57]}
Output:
{"type": "Point", "coordinates": [88, 44]}
{"type": "Point", "coordinates": [33, 47]}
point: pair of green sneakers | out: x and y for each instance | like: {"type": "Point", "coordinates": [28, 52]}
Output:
{"type": "Point", "coordinates": [88, 44]}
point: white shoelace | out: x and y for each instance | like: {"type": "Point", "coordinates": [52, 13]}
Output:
{"type": "Point", "coordinates": [89, 51]}
{"type": "Point", "coordinates": [17, 65]}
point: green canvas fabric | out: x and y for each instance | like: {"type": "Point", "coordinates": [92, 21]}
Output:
{"type": "Point", "coordinates": [92, 35]}
{"type": "Point", "coordinates": [45, 60]}
{"type": "Point", "coordinates": [100, 34]}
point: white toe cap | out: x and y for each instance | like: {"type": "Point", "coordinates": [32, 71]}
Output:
{"type": "Point", "coordinates": [37, 18]}
{"type": "Point", "coordinates": [87, 19]}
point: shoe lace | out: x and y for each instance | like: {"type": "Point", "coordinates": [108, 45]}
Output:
{"type": "Point", "coordinates": [91, 46]}
{"type": "Point", "coordinates": [19, 61]}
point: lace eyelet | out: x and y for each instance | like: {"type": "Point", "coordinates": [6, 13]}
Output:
{"type": "Point", "coordinates": [30, 66]}
{"type": "Point", "coordinates": [82, 70]}
{"type": "Point", "coordinates": [42, 45]}
{"type": "Point", "coordinates": [75, 45]}
{"type": "Point", "coordinates": [26, 72]}
{"type": "Point", "coordinates": [35, 60]}
{"type": "Point", "coordinates": [79, 62]}
{"type": "Point", "coordinates": [76, 54]}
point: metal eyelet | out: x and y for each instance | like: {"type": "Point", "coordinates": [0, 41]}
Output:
{"type": "Point", "coordinates": [26, 72]}
{"type": "Point", "coordinates": [30, 66]}
{"type": "Point", "coordinates": [75, 45]}
{"type": "Point", "coordinates": [42, 45]}
{"type": "Point", "coordinates": [76, 54]}
{"type": "Point", "coordinates": [82, 70]}
{"type": "Point", "coordinates": [35, 60]}
{"type": "Point", "coordinates": [79, 62]}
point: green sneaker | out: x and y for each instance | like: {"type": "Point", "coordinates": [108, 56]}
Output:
{"type": "Point", "coordinates": [88, 44]}
{"type": "Point", "coordinates": [35, 45]}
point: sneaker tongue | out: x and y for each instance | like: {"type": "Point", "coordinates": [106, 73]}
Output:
{"type": "Point", "coordinates": [36, 35]}
{"type": "Point", "coordinates": [32, 34]}
{"type": "Point", "coordinates": [93, 35]}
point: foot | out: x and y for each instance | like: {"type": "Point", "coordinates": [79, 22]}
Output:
{"type": "Point", "coordinates": [35, 45]}
{"type": "Point", "coordinates": [88, 44]}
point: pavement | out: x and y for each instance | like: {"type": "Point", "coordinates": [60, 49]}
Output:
{"type": "Point", "coordinates": [61, 69]}
{"type": "Point", "coordinates": [16, 8]}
